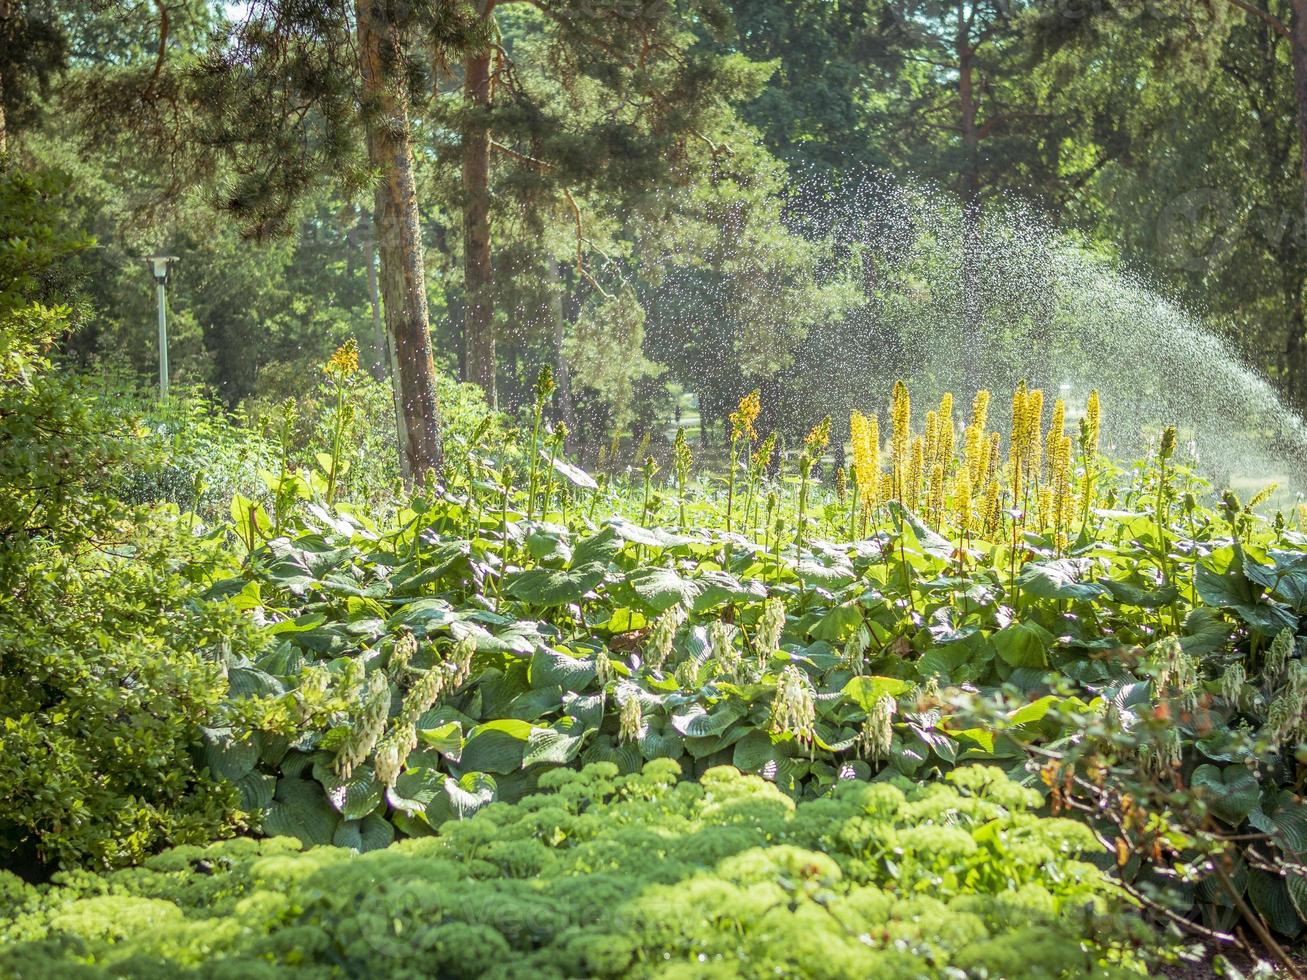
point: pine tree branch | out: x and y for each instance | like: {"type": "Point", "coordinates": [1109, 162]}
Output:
{"type": "Point", "coordinates": [1265, 16]}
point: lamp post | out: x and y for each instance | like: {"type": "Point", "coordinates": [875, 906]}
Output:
{"type": "Point", "coordinates": [160, 269]}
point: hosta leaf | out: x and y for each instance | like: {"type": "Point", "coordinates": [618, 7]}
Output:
{"type": "Point", "coordinates": [625, 756]}
{"type": "Point", "coordinates": [300, 809]}
{"type": "Point", "coordinates": [694, 722]}
{"type": "Point", "coordinates": [256, 791]}
{"type": "Point", "coordinates": [1296, 885]}
{"type": "Point", "coordinates": [353, 797]}
{"type": "Point", "coordinates": [369, 834]}
{"type": "Point", "coordinates": [416, 789]}
{"type": "Point", "coordinates": [759, 749]}
{"type": "Point", "coordinates": [661, 745]}
{"type": "Point", "coordinates": [1231, 793]}
{"type": "Point", "coordinates": [554, 746]}
{"type": "Point", "coordinates": [227, 756]}
{"type": "Point", "coordinates": [553, 668]}
{"type": "Point", "coordinates": [458, 799]}
{"type": "Point", "coordinates": [445, 738]}
{"type": "Point", "coordinates": [555, 586]}
{"type": "Point", "coordinates": [1270, 896]}
{"type": "Point", "coordinates": [496, 746]}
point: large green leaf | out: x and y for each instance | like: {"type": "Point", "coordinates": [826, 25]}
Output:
{"type": "Point", "coordinates": [572, 474]}
{"type": "Point", "coordinates": [554, 668]}
{"type": "Point", "coordinates": [1062, 578]}
{"type": "Point", "coordinates": [602, 548]}
{"type": "Point", "coordinates": [496, 746]}
{"type": "Point", "coordinates": [1023, 644]}
{"type": "Point", "coordinates": [555, 746]}
{"type": "Point", "coordinates": [1233, 590]}
{"type": "Point", "coordinates": [866, 691]}
{"type": "Point", "coordinates": [227, 756]}
{"type": "Point", "coordinates": [460, 798]}
{"type": "Point", "coordinates": [300, 809]}
{"type": "Point", "coordinates": [658, 589]}
{"type": "Point", "coordinates": [929, 541]}
{"type": "Point", "coordinates": [1270, 896]}
{"type": "Point", "coordinates": [369, 834]}
{"type": "Point", "coordinates": [555, 586]}
{"type": "Point", "coordinates": [1231, 793]}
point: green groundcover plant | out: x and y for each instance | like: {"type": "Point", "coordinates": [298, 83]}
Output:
{"type": "Point", "coordinates": [604, 875]}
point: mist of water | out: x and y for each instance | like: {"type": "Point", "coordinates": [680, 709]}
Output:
{"type": "Point", "coordinates": [1045, 309]}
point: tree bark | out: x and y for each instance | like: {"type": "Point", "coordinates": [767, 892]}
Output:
{"type": "Point", "coordinates": [4, 122]}
{"type": "Point", "coordinates": [1298, 50]}
{"type": "Point", "coordinates": [478, 273]}
{"type": "Point", "coordinates": [402, 275]}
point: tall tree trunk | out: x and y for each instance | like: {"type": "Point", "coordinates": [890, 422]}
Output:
{"type": "Point", "coordinates": [969, 109]}
{"type": "Point", "coordinates": [478, 273]}
{"type": "Point", "coordinates": [402, 276]}
{"type": "Point", "coordinates": [1295, 345]}
{"type": "Point", "coordinates": [4, 122]}
{"type": "Point", "coordinates": [1298, 49]}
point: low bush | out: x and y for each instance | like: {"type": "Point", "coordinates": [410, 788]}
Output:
{"type": "Point", "coordinates": [605, 875]}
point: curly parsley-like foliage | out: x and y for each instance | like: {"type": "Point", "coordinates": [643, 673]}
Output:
{"type": "Point", "coordinates": [605, 875]}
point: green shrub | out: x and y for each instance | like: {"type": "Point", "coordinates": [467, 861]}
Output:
{"type": "Point", "coordinates": [606, 875]}
{"type": "Point", "coordinates": [110, 668]}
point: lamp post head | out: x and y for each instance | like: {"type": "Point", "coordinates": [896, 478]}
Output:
{"type": "Point", "coordinates": [160, 267]}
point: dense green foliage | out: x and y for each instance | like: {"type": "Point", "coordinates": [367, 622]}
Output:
{"type": "Point", "coordinates": [604, 875]}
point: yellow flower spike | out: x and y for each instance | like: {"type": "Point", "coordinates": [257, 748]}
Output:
{"type": "Point", "coordinates": [886, 491]}
{"type": "Point", "coordinates": [937, 493]}
{"type": "Point", "coordinates": [900, 439]}
{"type": "Point", "coordinates": [972, 438]}
{"type": "Point", "coordinates": [915, 472]}
{"type": "Point", "coordinates": [980, 409]}
{"type": "Point", "coordinates": [990, 509]}
{"type": "Point", "coordinates": [344, 362]}
{"type": "Point", "coordinates": [945, 436]}
{"type": "Point", "coordinates": [1034, 417]}
{"type": "Point", "coordinates": [992, 459]}
{"type": "Point", "coordinates": [742, 418]}
{"type": "Point", "coordinates": [1094, 420]}
{"type": "Point", "coordinates": [1056, 430]}
{"type": "Point", "coordinates": [1017, 438]}
{"type": "Point", "coordinates": [931, 448]}
{"type": "Point", "coordinates": [1062, 487]}
{"type": "Point", "coordinates": [865, 436]}
{"type": "Point", "coordinates": [963, 502]}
